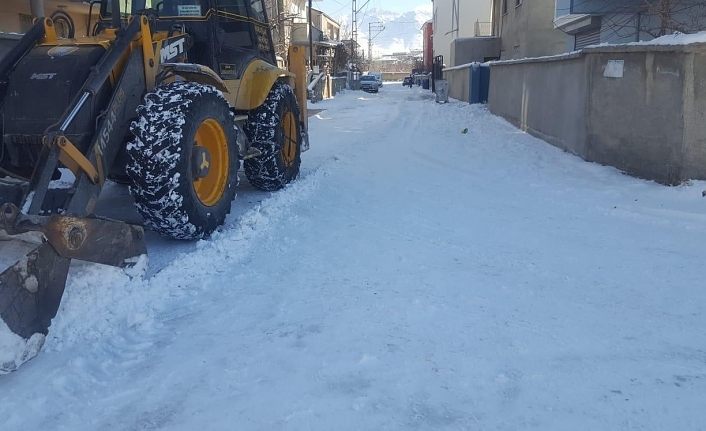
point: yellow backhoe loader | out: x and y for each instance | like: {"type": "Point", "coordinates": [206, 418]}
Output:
{"type": "Point", "coordinates": [168, 97]}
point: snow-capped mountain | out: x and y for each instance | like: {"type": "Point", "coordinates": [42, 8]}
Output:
{"type": "Point", "coordinates": [402, 30]}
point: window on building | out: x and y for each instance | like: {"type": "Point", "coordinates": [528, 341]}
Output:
{"type": "Point", "coordinates": [586, 38]}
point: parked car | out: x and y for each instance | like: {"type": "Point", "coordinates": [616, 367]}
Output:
{"type": "Point", "coordinates": [408, 81]}
{"type": "Point", "coordinates": [369, 83]}
{"type": "Point", "coordinates": [377, 75]}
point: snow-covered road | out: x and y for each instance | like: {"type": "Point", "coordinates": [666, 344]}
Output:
{"type": "Point", "coordinates": [415, 277]}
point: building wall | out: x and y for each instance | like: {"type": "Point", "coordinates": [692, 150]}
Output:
{"type": "Point", "coordinates": [333, 30]}
{"type": "Point", "coordinates": [474, 49]}
{"type": "Point", "coordinates": [631, 20]}
{"type": "Point", "coordinates": [428, 45]}
{"type": "Point", "coordinates": [287, 14]}
{"type": "Point", "coordinates": [527, 30]}
{"type": "Point", "coordinates": [295, 9]}
{"type": "Point", "coordinates": [328, 26]}
{"type": "Point", "coordinates": [456, 18]}
{"type": "Point", "coordinates": [394, 76]}
{"type": "Point", "coordinates": [15, 15]}
{"type": "Point", "coordinates": [651, 122]}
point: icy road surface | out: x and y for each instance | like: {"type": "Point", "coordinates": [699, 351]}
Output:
{"type": "Point", "coordinates": [416, 277]}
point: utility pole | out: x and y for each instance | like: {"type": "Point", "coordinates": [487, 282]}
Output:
{"type": "Point", "coordinates": [354, 27]}
{"type": "Point", "coordinates": [311, 41]}
{"type": "Point", "coordinates": [354, 31]}
{"type": "Point", "coordinates": [379, 28]}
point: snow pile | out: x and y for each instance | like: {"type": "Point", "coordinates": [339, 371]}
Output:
{"type": "Point", "coordinates": [675, 39]}
{"type": "Point", "coordinates": [65, 181]}
{"type": "Point", "coordinates": [122, 300]}
{"type": "Point", "coordinates": [14, 350]}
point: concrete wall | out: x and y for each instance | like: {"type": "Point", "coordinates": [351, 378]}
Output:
{"type": "Point", "coordinates": [459, 83]}
{"type": "Point", "coordinates": [470, 49]}
{"type": "Point", "coordinates": [547, 99]}
{"type": "Point", "coordinates": [394, 76]}
{"type": "Point", "coordinates": [650, 123]}
{"type": "Point", "coordinates": [528, 29]}
{"type": "Point", "coordinates": [447, 27]}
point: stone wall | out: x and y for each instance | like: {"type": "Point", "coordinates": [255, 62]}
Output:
{"type": "Point", "coordinates": [527, 30]}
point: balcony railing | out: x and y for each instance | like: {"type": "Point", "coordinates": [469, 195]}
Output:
{"type": "Point", "coordinates": [483, 29]}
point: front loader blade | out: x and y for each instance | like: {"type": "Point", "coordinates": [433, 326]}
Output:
{"type": "Point", "coordinates": [30, 295]}
{"type": "Point", "coordinates": [31, 289]}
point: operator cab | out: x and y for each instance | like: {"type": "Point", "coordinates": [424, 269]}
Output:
{"type": "Point", "coordinates": [240, 28]}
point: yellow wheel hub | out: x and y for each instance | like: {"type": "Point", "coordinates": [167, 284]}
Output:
{"type": "Point", "coordinates": [215, 161]}
{"type": "Point", "coordinates": [291, 140]}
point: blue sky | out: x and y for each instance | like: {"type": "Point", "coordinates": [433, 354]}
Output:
{"type": "Point", "coordinates": [336, 8]}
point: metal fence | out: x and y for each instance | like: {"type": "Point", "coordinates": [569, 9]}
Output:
{"type": "Point", "coordinates": [338, 84]}
{"type": "Point", "coordinates": [483, 29]}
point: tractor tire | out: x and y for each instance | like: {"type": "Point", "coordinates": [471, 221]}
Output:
{"type": "Point", "coordinates": [183, 163]}
{"type": "Point", "coordinates": [274, 129]}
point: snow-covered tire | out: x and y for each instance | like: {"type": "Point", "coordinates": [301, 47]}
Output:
{"type": "Point", "coordinates": [168, 135]}
{"type": "Point", "coordinates": [274, 129]}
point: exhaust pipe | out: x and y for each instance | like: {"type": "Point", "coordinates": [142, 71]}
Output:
{"type": "Point", "coordinates": [36, 8]}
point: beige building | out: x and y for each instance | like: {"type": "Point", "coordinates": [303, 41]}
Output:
{"type": "Point", "coordinates": [526, 29]}
{"type": "Point", "coordinates": [325, 28]}
{"type": "Point", "coordinates": [70, 16]}
{"type": "Point", "coordinates": [287, 18]}
{"type": "Point", "coordinates": [289, 23]}
{"type": "Point", "coordinates": [329, 27]}
{"type": "Point", "coordinates": [458, 19]}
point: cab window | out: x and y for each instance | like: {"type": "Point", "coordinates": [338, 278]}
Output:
{"type": "Point", "coordinates": [236, 7]}
{"type": "Point", "coordinates": [125, 7]}
{"type": "Point", "coordinates": [183, 8]}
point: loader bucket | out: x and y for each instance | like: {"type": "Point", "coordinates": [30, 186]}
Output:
{"type": "Point", "coordinates": [31, 288]}
{"type": "Point", "coordinates": [30, 294]}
